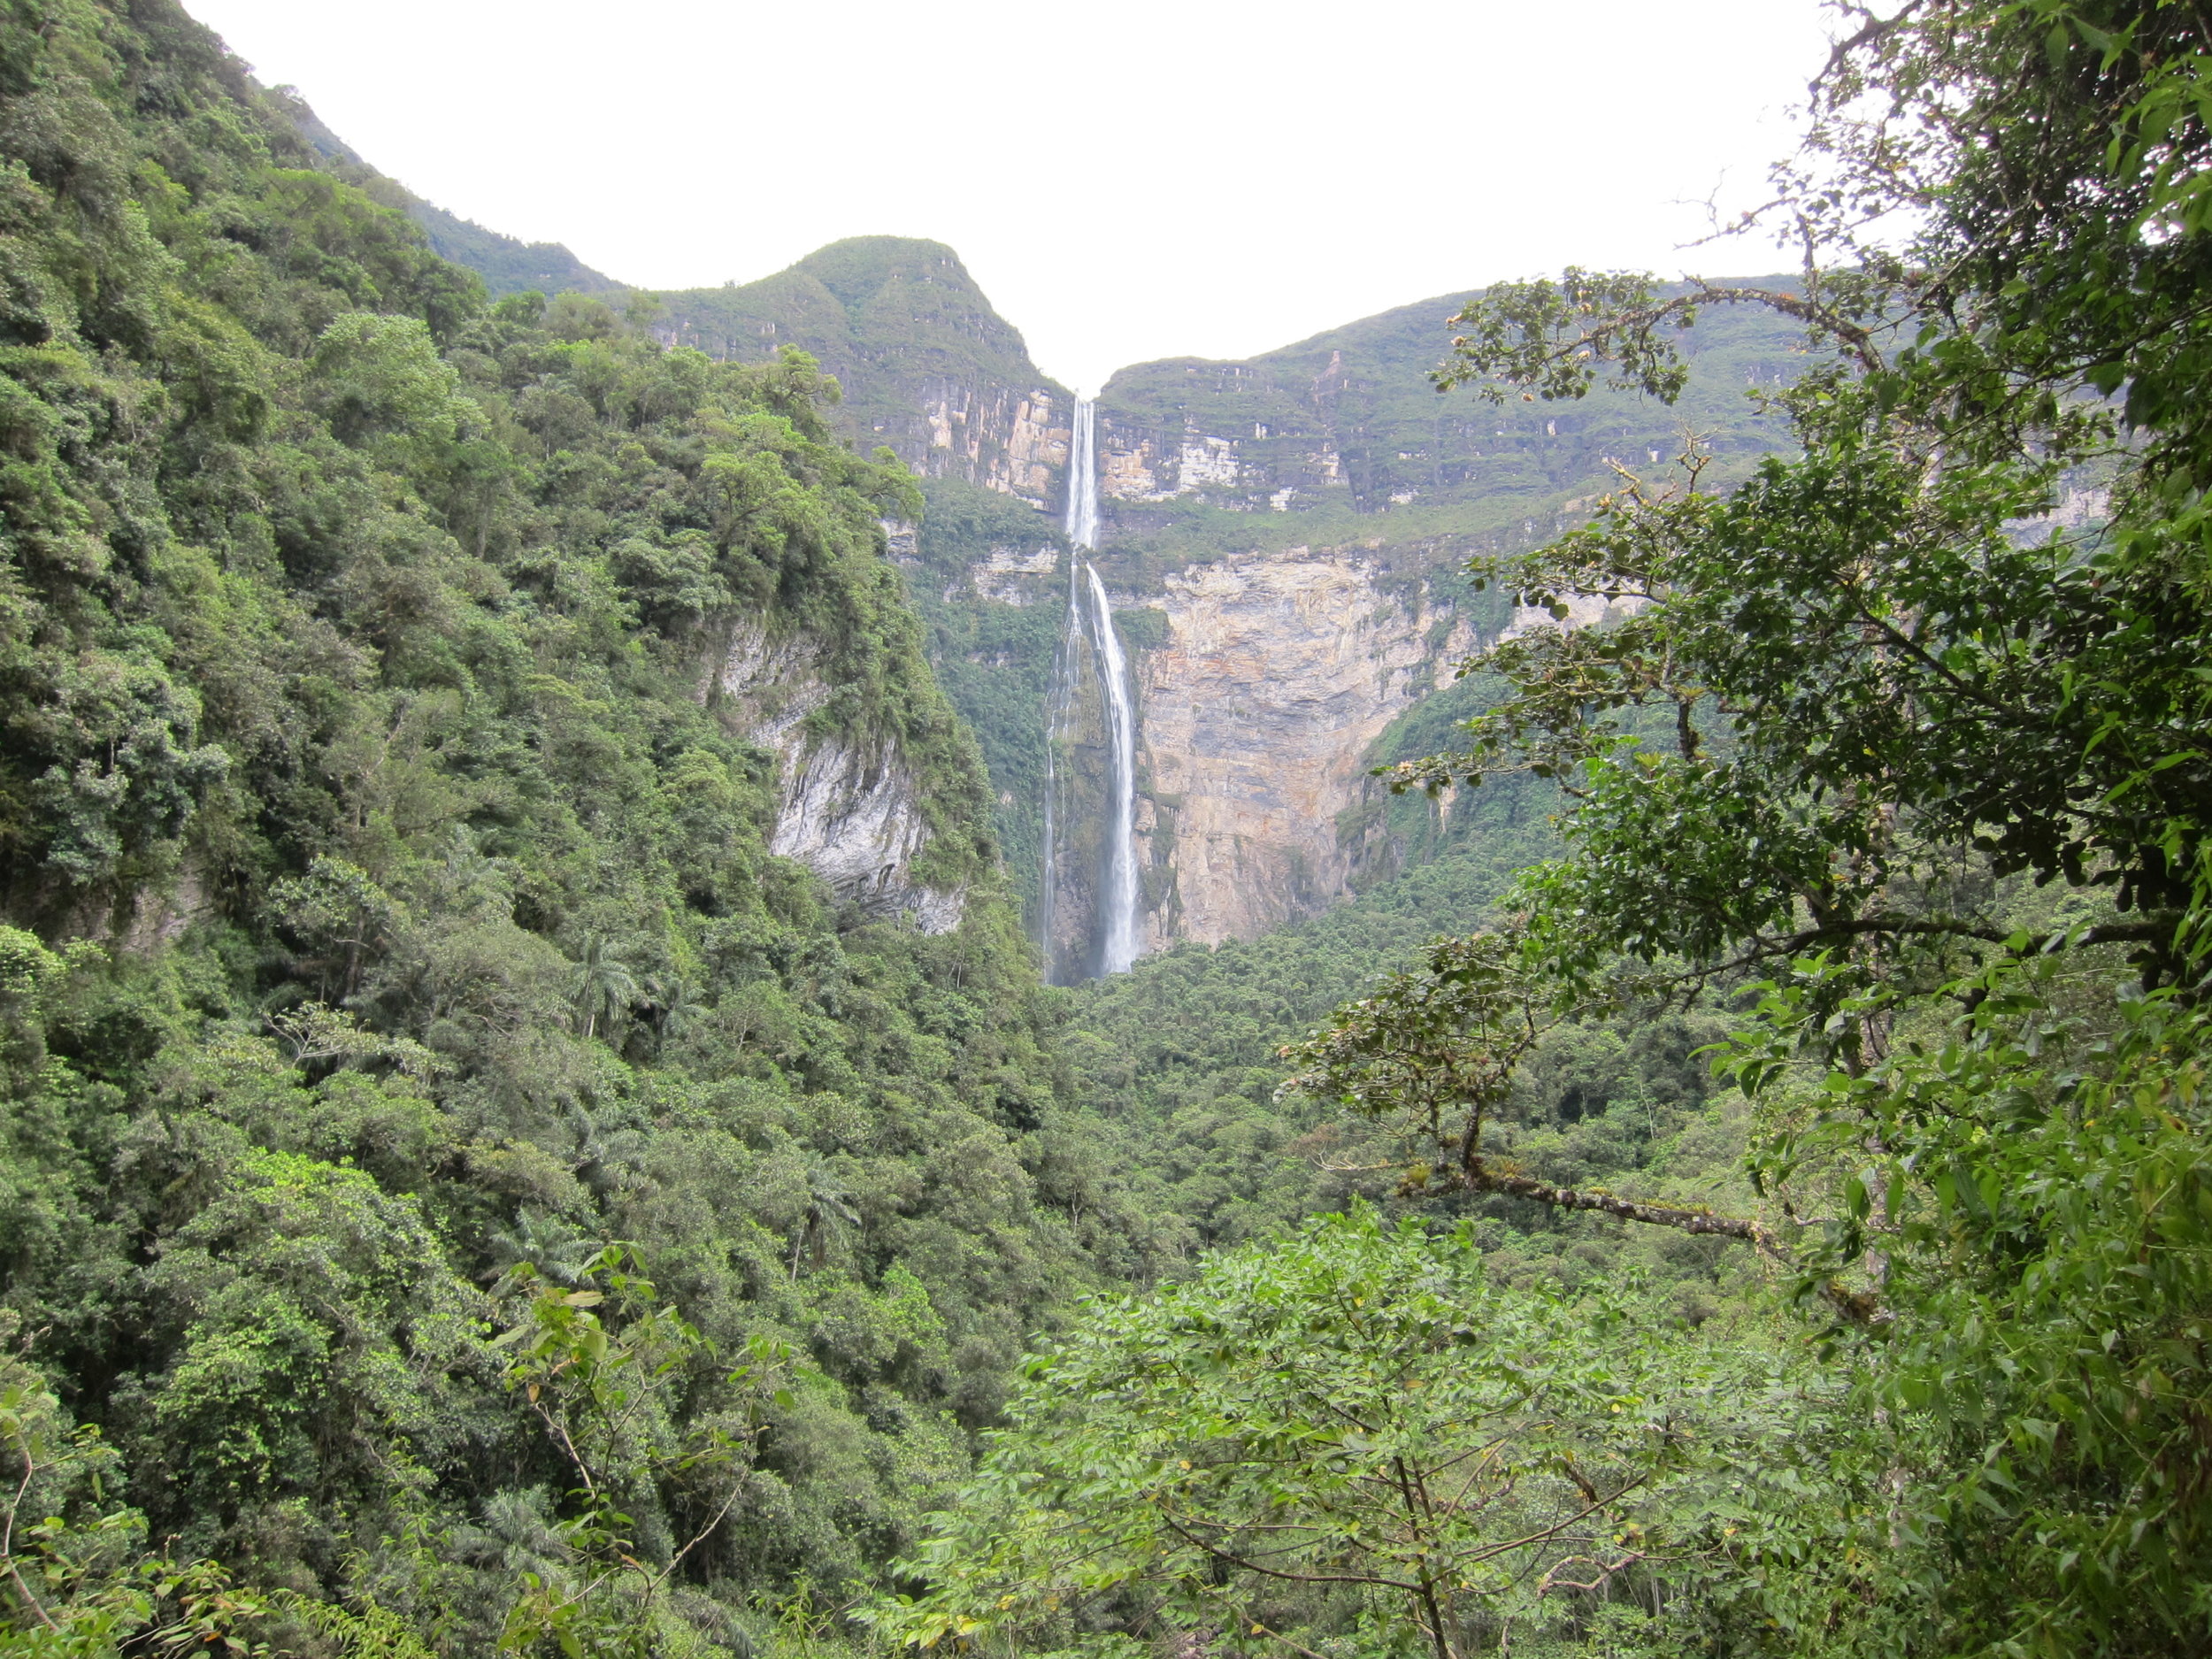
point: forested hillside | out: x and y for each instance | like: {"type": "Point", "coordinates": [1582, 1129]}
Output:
{"type": "Point", "coordinates": [393, 932]}
{"type": "Point", "coordinates": [505, 265]}
{"type": "Point", "coordinates": [1882, 789]}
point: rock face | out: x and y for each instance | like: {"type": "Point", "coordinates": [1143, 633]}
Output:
{"type": "Point", "coordinates": [1259, 700]}
{"type": "Point", "coordinates": [1005, 439]}
{"type": "Point", "coordinates": [1008, 576]}
{"type": "Point", "coordinates": [1350, 422]}
{"type": "Point", "coordinates": [849, 810]}
{"type": "Point", "coordinates": [1277, 673]}
{"type": "Point", "coordinates": [1263, 678]}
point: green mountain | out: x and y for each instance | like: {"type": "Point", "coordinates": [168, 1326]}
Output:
{"type": "Point", "coordinates": [507, 265]}
{"type": "Point", "coordinates": [1283, 537]}
{"type": "Point", "coordinates": [1346, 430]}
{"type": "Point", "coordinates": [517, 1071]}
{"type": "Point", "coordinates": [530, 1120]}
{"type": "Point", "coordinates": [927, 367]}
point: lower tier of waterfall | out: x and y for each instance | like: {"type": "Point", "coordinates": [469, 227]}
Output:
{"type": "Point", "coordinates": [1091, 891]}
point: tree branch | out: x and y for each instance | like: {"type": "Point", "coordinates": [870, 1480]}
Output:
{"type": "Point", "coordinates": [1191, 1539]}
{"type": "Point", "coordinates": [1871, 33]}
{"type": "Point", "coordinates": [1856, 1306]}
{"type": "Point", "coordinates": [1479, 1177]}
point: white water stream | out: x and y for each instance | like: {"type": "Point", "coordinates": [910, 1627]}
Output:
{"type": "Point", "coordinates": [1082, 521]}
{"type": "Point", "coordinates": [1118, 941]}
{"type": "Point", "coordinates": [1091, 620]}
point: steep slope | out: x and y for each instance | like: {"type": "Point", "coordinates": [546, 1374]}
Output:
{"type": "Point", "coordinates": [1347, 424]}
{"type": "Point", "coordinates": [1282, 541]}
{"type": "Point", "coordinates": [927, 367]}
{"type": "Point", "coordinates": [1274, 675]}
{"type": "Point", "coordinates": [506, 264]}
{"type": "Point", "coordinates": [471, 791]}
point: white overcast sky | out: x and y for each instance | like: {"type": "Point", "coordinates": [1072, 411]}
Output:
{"type": "Point", "coordinates": [1137, 180]}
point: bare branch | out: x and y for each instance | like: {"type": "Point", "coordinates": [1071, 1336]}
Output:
{"type": "Point", "coordinates": [1479, 1177]}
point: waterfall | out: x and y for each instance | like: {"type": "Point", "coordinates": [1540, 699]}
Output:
{"type": "Point", "coordinates": [1082, 522]}
{"type": "Point", "coordinates": [1090, 641]}
{"type": "Point", "coordinates": [1118, 897]}
{"type": "Point", "coordinates": [1059, 707]}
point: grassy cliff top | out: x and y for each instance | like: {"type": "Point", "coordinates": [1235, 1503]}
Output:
{"type": "Point", "coordinates": [1349, 420]}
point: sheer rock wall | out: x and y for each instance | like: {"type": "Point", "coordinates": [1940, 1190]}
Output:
{"type": "Point", "coordinates": [849, 809]}
{"type": "Point", "coordinates": [1277, 672]}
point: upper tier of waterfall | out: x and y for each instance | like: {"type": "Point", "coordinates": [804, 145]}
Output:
{"type": "Point", "coordinates": [1082, 517]}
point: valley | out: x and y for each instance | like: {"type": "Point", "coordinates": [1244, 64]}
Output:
{"type": "Point", "coordinates": [1282, 540]}
{"type": "Point", "coordinates": [712, 973]}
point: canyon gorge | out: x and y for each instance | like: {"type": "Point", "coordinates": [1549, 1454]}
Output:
{"type": "Point", "coordinates": [1278, 543]}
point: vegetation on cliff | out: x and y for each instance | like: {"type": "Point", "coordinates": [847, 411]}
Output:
{"type": "Point", "coordinates": [1343, 438]}
{"type": "Point", "coordinates": [904, 324]}
{"type": "Point", "coordinates": [461, 1192]}
{"type": "Point", "coordinates": [504, 265]}
{"type": "Point", "coordinates": [394, 930]}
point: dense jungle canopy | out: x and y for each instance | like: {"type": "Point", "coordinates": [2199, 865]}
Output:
{"type": "Point", "coordinates": [1743, 1188]}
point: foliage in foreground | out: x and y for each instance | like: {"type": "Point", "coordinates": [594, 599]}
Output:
{"type": "Point", "coordinates": [1353, 1433]}
{"type": "Point", "coordinates": [401, 930]}
{"type": "Point", "coordinates": [393, 927]}
{"type": "Point", "coordinates": [1933, 798]}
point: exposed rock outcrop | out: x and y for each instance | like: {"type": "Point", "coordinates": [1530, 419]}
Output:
{"type": "Point", "coordinates": [1262, 697]}
{"type": "Point", "coordinates": [849, 809]}
{"type": "Point", "coordinates": [1277, 673]}
{"type": "Point", "coordinates": [1009, 576]}
{"type": "Point", "coordinates": [1349, 420]}
{"type": "Point", "coordinates": [1008, 439]}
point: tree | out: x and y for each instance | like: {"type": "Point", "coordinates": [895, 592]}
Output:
{"type": "Point", "coordinates": [352, 635]}
{"type": "Point", "coordinates": [605, 986]}
{"type": "Point", "coordinates": [599, 1363]}
{"type": "Point", "coordinates": [547, 1247]}
{"type": "Point", "coordinates": [1907, 766]}
{"type": "Point", "coordinates": [828, 1207]}
{"type": "Point", "coordinates": [1349, 1429]}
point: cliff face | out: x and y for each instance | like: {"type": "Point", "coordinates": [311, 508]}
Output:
{"type": "Point", "coordinates": [926, 365]}
{"type": "Point", "coordinates": [1264, 690]}
{"type": "Point", "coordinates": [1282, 540]}
{"type": "Point", "coordinates": [1277, 673]}
{"type": "Point", "coordinates": [849, 808]}
{"type": "Point", "coordinates": [1281, 648]}
{"type": "Point", "coordinates": [1350, 422]}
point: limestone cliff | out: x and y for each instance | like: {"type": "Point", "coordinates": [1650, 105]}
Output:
{"type": "Point", "coordinates": [849, 806]}
{"type": "Point", "coordinates": [1277, 672]}
{"type": "Point", "coordinates": [1349, 422]}
{"type": "Point", "coordinates": [1282, 539]}
{"type": "Point", "coordinates": [926, 365]}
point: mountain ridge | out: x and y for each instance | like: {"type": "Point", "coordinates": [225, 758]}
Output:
{"type": "Point", "coordinates": [507, 263]}
{"type": "Point", "coordinates": [929, 368]}
{"type": "Point", "coordinates": [1331, 494]}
